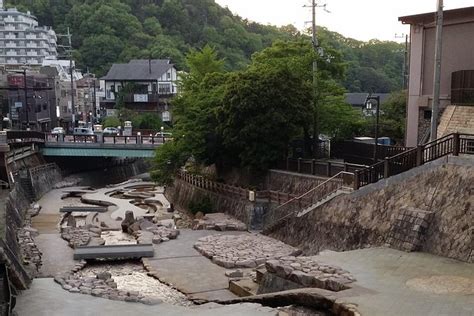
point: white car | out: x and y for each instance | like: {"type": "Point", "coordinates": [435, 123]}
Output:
{"type": "Point", "coordinates": [58, 131]}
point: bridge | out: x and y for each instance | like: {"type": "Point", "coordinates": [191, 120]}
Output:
{"type": "Point", "coordinates": [98, 145]}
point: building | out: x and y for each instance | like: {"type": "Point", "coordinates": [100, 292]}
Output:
{"type": "Point", "coordinates": [457, 61]}
{"type": "Point", "coordinates": [145, 86]}
{"type": "Point", "coordinates": [357, 100]}
{"type": "Point", "coordinates": [22, 40]}
{"type": "Point", "coordinates": [39, 110]}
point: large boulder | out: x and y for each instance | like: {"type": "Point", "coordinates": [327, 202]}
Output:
{"type": "Point", "coordinates": [128, 221]}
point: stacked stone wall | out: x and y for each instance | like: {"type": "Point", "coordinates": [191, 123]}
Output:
{"type": "Point", "coordinates": [44, 179]}
{"type": "Point", "coordinates": [367, 217]}
{"type": "Point", "coordinates": [289, 182]}
{"type": "Point", "coordinates": [182, 193]}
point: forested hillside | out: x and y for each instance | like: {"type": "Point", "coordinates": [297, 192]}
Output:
{"type": "Point", "coordinates": [108, 31]}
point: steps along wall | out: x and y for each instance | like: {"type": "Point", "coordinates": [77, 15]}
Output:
{"type": "Point", "coordinates": [456, 118]}
{"type": "Point", "coordinates": [375, 215]}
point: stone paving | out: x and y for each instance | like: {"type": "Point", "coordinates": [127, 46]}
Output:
{"type": "Point", "coordinates": [243, 251]}
{"type": "Point", "coordinates": [218, 221]}
{"type": "Point", "coordinates": [46, 298]}
{"type": "Point", "coordinates": [310, 272]}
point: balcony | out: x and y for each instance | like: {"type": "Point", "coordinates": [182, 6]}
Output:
{"type": "Point", "coordinates": [141, 98]}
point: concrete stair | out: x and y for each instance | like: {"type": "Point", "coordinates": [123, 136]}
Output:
{"type": "Point", "coordinates": [323, 201]}
{"type": "Point", "coordinates": [456, 118]}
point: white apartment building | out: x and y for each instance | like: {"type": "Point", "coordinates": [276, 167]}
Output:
{"type": "Point", "coordinates": [22, 40]}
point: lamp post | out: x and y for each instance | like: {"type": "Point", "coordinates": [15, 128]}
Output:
{"type": "Point", "coordinates": [371, 102]}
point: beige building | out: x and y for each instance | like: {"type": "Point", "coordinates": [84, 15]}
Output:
{"type": "Point", "coordinates": [458, 55]}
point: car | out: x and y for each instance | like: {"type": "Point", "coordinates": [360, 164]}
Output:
{"type": "Point", "coordinates": [111, 131]}
{"type": "Point", "coordinates": [83, 131]}
{"type": "Point", "coordinates": [58, 131]}
{"type": "Point", "coordinates": [164, 134]}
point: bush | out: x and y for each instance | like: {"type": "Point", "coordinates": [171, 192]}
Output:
{"type": "Point", "coordinates": [203, 205]}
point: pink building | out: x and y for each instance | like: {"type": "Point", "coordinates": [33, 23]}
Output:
{"type": "Point", "coordinates": [458, 55]}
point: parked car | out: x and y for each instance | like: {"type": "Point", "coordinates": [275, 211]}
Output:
{"type": "Point", "coordinates": [164, 134]}
{"type": "Point", "coordinates": [83, 131]}
{"type": "Point", "coordinates": [111, 131]}
{"type": "Point", "coordinates": [58, 131]}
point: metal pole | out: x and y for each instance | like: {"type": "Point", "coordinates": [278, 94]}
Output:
{"type": "Point", "coordinates": [437, 71]}
{"type": "Point", "coordinates": [94, 104]}
{"type": "Point", "coordinates": [377, 115]}
{"type": "Point", "coordinates": [25, 90]}
{"type": "Point", "coordinates": [71, 71]}
{"type": "Point", "coordinates": [405, 65]}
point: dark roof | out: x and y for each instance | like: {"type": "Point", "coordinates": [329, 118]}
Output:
{"type": "Point", "coordinates": [358, 99]}
{"type": "Point", "coordinates": [138, 70]}
{"type": "Point", "coordinates": [430, 17]}
{"type": "Point", "coordinates": [153, 61]}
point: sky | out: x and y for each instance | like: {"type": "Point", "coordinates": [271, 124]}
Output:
{"type": "Point", "coordinates": [359, 19]}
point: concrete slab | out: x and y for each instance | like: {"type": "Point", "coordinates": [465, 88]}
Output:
{"type": "Point", "coordinates": [389, 275]}
{"type": "Point", "coordinates": [46, 223]}
{"type": "Point", "coordinates": [46, 298]}
{"type": "Point", "coordinates": [190, 274]}
{"type": "Point", "coordinates": [57, 255]}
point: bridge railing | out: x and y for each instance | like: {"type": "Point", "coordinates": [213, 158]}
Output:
{"type": "Point", "coordinates": [107, 139]}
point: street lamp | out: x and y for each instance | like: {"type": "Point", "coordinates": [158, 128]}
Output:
{"type": "Point", "coordinates": [371, 102]}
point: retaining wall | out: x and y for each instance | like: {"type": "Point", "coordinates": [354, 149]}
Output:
{"type": "Point", "coordinates": [182, 193]}
{"type": "Point", "coordinates": [367, 217]}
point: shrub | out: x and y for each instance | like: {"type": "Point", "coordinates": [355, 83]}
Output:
{"type": "Point", "coordinates": [203, 205]}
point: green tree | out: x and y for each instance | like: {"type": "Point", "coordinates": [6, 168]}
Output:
{"type": "Point", "coordinates": [111, 121]}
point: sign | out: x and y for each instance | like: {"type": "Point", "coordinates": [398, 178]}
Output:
{"type": "Point", "coordinates": [166, 116]}
{"type": "Point", "coordinates": [110, 112]}
{"type": "Point", "coordinates": [18, 105]}
{"type": "Point", "coordinates": [140, 98]}
{"type": "Point", "coordinates": [15, 81]}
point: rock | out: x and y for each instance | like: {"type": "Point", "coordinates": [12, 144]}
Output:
{"type": "Point", "coordinates": [151, 301]}
{"type": "Point", "coordinates": [156, 240]}
{"type": "Point", "coordinates": [129, 220]}
{"type": "Point", "coordinates": [135, 227]}
{"type": "Point", "coordinates": [145, 224]}
{"type": "Point", "coordinates": [199, 215]}
{"type": "Point", "coordinates": [95, 230]}
{"type": "Point", "coordinates": [234, 274]}
{"type": "Point", "coordinates": [104, 276]}
{"type": "Point", "coordinates": [168, 223]}
{"type": "Point", "coordinates": [71, 221]}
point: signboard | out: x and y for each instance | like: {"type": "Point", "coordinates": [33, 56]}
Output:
{"type": "Point", "coordinates": [18, 105]}
{"type": "Point", "coordinates": [111, 112]}
{"type": "Point", "coordinates": [15, 81]}
{"type": "Point", "coordinates": [140, 98]}
{"type": "Point", "coordinates": [166, 116]}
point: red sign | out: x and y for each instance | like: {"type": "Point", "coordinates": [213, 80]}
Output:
{"type": "Point", "coordinates": [15, 81]}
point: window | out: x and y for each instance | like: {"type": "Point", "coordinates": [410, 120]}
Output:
{"type": "Point", "coordinates": [427, 114]}
{"type": "Point", "coordinates": [164, 88]}
{"type": "Point", "coordinates": [168, 75]}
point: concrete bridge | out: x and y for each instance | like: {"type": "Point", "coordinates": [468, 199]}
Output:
{"type": "Point", "coordinates": [88, 146]}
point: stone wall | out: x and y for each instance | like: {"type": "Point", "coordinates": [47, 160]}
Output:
{"type": "Point", "coordinates": [182, 193]}
{"type": "Point", "coordinates": [43, 179]}
{"type": "Point", "coordinates": [289, 182]}
{"type": "Point", "coordinates": [366, 217]}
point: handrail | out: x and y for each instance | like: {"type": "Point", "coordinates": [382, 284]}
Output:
{"type": "Point", "coordinates": [454, 144]}
{"type": "Point", "coordinates": [301, 198]}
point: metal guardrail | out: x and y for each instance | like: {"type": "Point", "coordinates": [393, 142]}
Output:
{"type": "Point", "coordinates": [452, 144]}
{"type": "Point", "coordinates": [342, 180]}
{"type": "Point", "coordinates": [317, 168]}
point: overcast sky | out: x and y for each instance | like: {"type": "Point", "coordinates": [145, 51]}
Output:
{"type": "Point", "coordinates": [359, 19]}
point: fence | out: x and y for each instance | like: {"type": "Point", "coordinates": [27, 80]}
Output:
{"type": "Point", "coordinates": [363, 153]}
{"type": "Point", "coordinates": [319, 168]}
{"type": "Point", "coordinates": [454, 144]}
{"type": "Point", "coordinates": [25, 137]}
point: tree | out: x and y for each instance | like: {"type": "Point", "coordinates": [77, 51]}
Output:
{"type": "Point", "coordinates": [392, 123]}
{"type": "Point", "coordinates": [263, 109]}
{"type": "Point", "coordinates": [111, 121]}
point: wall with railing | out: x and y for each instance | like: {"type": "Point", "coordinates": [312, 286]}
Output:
{"type": "Point", "coordinates": [453, 144]}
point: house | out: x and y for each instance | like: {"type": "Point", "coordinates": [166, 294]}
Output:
{"type": "Point", "coordinates": [38, 111]}
{"type": "Point", "coordinates": [357, 100]}
{"type": "Point", "coordinates": [457, 112]}
{"type": "Point", "coordinates": [144, 86]}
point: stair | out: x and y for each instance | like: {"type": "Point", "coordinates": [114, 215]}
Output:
{"type": "Point", "coordinates": [456, 119]}
{"type": "Point", "coordinates": [27, 187]}
{"type": "Point", "coordinates": [324, 201]}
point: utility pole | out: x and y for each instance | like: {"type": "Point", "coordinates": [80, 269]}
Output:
{"type": "Point", "coordinates": [437, 71]}
{"type": "Point", "coordinates": [25, 89]}
{"type": "Point", "coordinates": [314, 5]}
{"type": "Point", "coordinates": [71, 71]}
